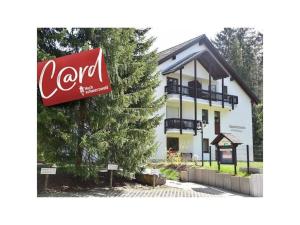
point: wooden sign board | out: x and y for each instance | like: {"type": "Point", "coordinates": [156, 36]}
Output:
{"type": "Point", "coordinates": [147, 171]}
{"type": "Point", "coordinates": [112, 167]}
{"type": "Point", "coordinates": [48, 170]}
{"type": "Point", "coordinates": [155, 172]}
{"type": "Point", "coordinates": [226, 156]}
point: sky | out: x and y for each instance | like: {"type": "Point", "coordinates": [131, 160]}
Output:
{"type": "Point", "coordinates": [167, 37]}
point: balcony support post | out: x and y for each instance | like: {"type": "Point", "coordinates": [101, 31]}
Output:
{"type": "Point", "coordinates": [195, 95]}
{"type": "Point", "coordinates": [222, 92]}
{"type": "Point", "coordinates": [209, 73]}
{"type": "Point", "coordinates": [180, 108]}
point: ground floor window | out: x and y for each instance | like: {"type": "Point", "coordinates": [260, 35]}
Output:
{"type": "Point", "coordinates": [205, 116]}
{"type": "Point", "coordinates": [172, 144]}
{"type": "Point", "coordinates": [206, 145]}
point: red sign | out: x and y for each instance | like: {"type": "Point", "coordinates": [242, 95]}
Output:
{"type": "Point", "coordinates": [73, 77]}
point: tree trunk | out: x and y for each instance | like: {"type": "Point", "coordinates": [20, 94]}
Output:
{"type": "Point", "coordinates": [81, 122]}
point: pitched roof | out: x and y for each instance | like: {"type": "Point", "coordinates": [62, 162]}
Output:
{"type": "Point", "coordinates": [233, 139]}
{"type": "Point", "coordinates": [202, 39]}
{"type": "Point", "coordinates": [165, 53]}
{"type": "Point", "coordinates": [180, 47]}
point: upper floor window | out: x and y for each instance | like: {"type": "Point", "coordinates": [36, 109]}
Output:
{"type": "Point", "coordinates": [225, 90]}
{"type": "Point", "coordinates": [205, 115]}
{"type": "Point", "coordinates": [214, 88]}
{"type": "Point", "coordinates": [172, 81]}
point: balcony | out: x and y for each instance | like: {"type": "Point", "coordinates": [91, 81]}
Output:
{"type": "Point", "coordinates": [174, 123]}
{"type": "Point", "coordinates": [202, 94]}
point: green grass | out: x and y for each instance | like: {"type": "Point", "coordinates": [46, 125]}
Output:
{"type": "Point", "coordinates": [224, 168]}
{"type": "Point", "coordinates": [170, 174]}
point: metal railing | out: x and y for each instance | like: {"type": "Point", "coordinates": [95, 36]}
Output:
{"type": "Point", "coordinates": [174, 123]}
{"type": "Point", "coordinates": [201, 93]}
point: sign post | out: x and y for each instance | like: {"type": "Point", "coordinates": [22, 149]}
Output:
{"type": "Point", "coordinates": [46, 172]}
{"type": "Point", "coordinates": [111, 168]}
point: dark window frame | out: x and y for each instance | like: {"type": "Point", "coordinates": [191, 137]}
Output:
{"type": "Point", "coordinates": [172, 80]}
{"type": "Point", "coordinates": [205, 145]}
{"type": "Point", "coordinates": [215, 88]}
{"type": "Point", "coordinates": [207, 116]}
{"type": "Point", "coordinates": [174, 138]}
{"type": "Point", "coordinates": [217, 115]}
{"type": "Point", "coordinates": [225, 90]}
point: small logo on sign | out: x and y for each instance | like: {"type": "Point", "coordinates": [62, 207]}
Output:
{"type": "Point", "coordinates": [81, 89]}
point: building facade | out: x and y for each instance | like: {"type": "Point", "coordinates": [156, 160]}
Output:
{"type": "Point", "coordinates": [201, 88]}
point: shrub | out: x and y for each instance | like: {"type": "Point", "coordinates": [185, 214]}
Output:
{"type": "Point", "coordinates": [174, 157]}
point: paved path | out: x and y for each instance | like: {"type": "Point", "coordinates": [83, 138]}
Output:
{"type": "Point", "coordinates": [171, 189]}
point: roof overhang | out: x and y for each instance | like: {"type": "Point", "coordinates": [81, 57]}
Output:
{"type": "Point", "coordinates": [205, 58]}
{"type": "Point", "coordinates": [230, 137]}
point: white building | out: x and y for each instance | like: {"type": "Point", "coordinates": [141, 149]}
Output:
{"type": "Point", "coordinates": [220, 98]}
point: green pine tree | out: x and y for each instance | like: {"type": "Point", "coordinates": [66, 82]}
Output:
{"type": "Point", "coordinates": [243, 50]}
{"type": "Point", "coordinates": [117, 127]}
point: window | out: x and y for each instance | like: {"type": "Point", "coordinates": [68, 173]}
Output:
{"type": "Point", "coordinates": [172, 81]}
{"type": "Point", "coordinates": [172, 144]}
{"type": "Point", "coordinates": [217, 122]}
{"type": "Point", "coordinates": [225, 90]}
{"type": "Point", "coordinates": [174, 57]}
{"type": "Point", "coordinates": [172, 84]}
{"type": "Point", "coordinates": [214, 88]}
{"type": "Point", "coordinates": [205, 116]}
{"type": "Point", "coordinates": [205, 145]}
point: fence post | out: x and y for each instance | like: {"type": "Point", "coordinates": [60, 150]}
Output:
{"type": "Point", "coordinates": [218, 158]}
{"type": "Point", "coordinates": [235, 159]}
{"type": "Point", "coordinates": [210, 156]}
{"type": "Point", "coordinates": [248, 163]}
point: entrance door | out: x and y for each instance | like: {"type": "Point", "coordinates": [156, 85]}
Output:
{"type": "Point", "coordinates": [191, 88]}
{"type": "Point", "coordinates": [214, 90]}
{"type": "Point", "coordinates": [217, 122]}
{"type": "Point", "coordinates": [173, 144]}
{"type": "Point", "coordinates": [172, 84]}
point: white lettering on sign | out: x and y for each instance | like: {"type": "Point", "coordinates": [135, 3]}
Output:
{"type": "Point", "coordinates": [48, 170]}
{"type": "Point", "coordinates": [112, 167]}
{"type": "Point", "coordinates": [69, 75]}
{"type": "Point", "coordinates": [155, 172]}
